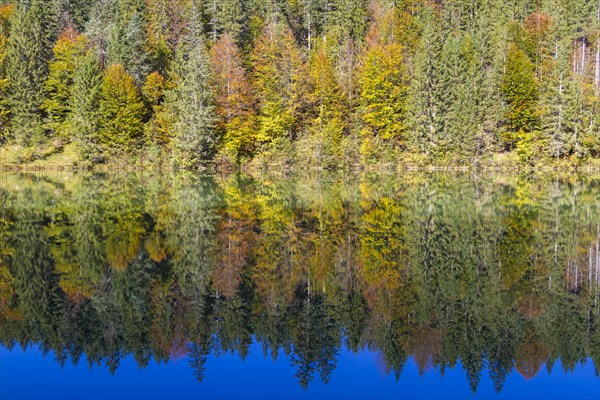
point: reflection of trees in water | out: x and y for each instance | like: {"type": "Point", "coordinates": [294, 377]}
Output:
{"type": "Point", "coordinates": [497, 275]}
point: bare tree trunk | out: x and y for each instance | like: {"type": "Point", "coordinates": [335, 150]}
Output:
{"type": "Point", "coordinates": [309, 28]}
{"type": "Point", "coordinates": [583, 50]}
{"type": "Point", "coordinates": [214, 21]}
{"type": "Point", "coordinates": [591, 265]}
{"type": "Point", "coordinates": [597, 77]}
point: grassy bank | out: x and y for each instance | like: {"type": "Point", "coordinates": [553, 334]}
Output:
{"type": "Point", "coordinates": [50, 157]}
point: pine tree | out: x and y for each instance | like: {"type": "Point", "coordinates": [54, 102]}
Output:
{"type": "Point", "coordinates": [426, 102]}
{"type": "Point", "coordinates": [191, 105]}
{"type": "Point", "coordinates": [127, 45]}
{"type": "Point", "coordinates": [224, 16]}
{"type": "Point", "coordinates": [68, 49]}
{"type": "Point", "coordinates": [26, 71]}
{"type": "Point", "coordinates": [83, 117]}
{"type": "Point", "coordinates": [100, 25]}
{"type": "Point", "coordinates": [166, 24]}
{"type": "Point", "coordinates": [234, 99]}
{"type": "Point", "coordinates": [346, 20]}
{"type": "Point", "coordinates": [6, 12]}
{"type": "Point", "coordinates": [121, 111]}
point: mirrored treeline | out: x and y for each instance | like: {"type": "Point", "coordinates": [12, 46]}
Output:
{"type": "Point", "coordinates": [499, 273]}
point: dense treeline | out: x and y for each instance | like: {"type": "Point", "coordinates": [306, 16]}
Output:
{"type": "Point", "coordinates": [326, 83]}
{"type": "Point", "coordinates": [497, 274]}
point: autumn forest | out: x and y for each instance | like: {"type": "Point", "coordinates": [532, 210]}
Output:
{"type": "Point", "coordinates": [320, 83]}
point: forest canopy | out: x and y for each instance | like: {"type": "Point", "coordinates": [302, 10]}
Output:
{"type": "Point", "coordinates": [320, 83]}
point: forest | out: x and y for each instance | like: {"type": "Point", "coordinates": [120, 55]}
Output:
{"type": "Point", "coordinates": [327, 84]}
{"type": "Point", "coordinates": [492, 275]}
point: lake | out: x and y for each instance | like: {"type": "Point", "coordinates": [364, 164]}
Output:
{"type": "Point", "coordinates": [404, 285]}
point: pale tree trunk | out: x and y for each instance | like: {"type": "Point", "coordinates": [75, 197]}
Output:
{"type": "Point", "coordinates": [597, 77]}
{"type": "Point", "coordinates": [309, 27]}
{"type": "Point", "coordinates": [214, 21]}
{"type": "Point", "coordinates": [583, 50]}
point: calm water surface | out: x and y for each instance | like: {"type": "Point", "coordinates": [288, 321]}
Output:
{"type": "Point", "coordinates": [327, 286]}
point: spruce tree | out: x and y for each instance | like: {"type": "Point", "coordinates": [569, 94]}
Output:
{"type": "Point", "coordinates": [191, 105]}
{"type": "Point", "coordinates": [100, 26]}
{"type": "Point", "coordinates": [83, 115]}
{"type": "Point", "coordinates": [6, 12]}
{"type": "Point", "coordinates": [58, 87]}
{"type": "Point", "coordinates": [426, 103]}
{"type": "Point", "coordinates": [347, 19]}
{"type": "Point", "coordinates": [224, 16]}
{"type": "Point", "coordinates": [166, 24]}
{"type": "Point", "coordinates": [127, 45]}
{"type": "Point", "coordinates": [26, 71]}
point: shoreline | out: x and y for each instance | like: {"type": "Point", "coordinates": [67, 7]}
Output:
{"type": "Point", "coordinates": [588, 167]}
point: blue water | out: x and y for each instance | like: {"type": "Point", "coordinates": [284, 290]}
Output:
{"type": "Point", "coordinates": [29, 374]}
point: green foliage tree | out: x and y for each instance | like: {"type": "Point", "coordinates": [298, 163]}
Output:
{"type": "Point", "coordinates": [83, 119]}
{"type": "Point", "coordinates": [225, 16]}
{"type": "Point", "coordinates": [26, 71]}
{"type": "Point", "coordinates": [6, 12]}
{"type": "Point", "coordinates": [280, 79]}
{"type": "Point", "coordinates": [121, 111]}
{"type": "Point", "coordinates": [383, 86]}
{"type": "Point", "coordinates": [127, 45]}
{"type": "Point", "coordinates": [322, 82]}
{"type": "Point", "coordinates": [426, 96]}
{"type": "Point", "coordinates": [521, 92]}
{"type": "Point", "coordinates": [326, 129]}
{"type": "Point", "coordinates": [191, 105]}
{"type": "Point", "coordinates": [70, 47]}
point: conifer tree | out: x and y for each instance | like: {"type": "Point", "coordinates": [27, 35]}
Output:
{"type": "Point", "coordinates": [426, 103]}
{"type": "Point", "coordinates": [58, 87]}
{"type": "Point", "coordinates": [555, 99]}
{"type": "Point", "coordinates": [83, 116]}
{"type": "Point", "coordinates": [121, 111]}
{"type": "Point", "coordinates": [26, 71]}
{"type": "Point", "coordinates": [224, 16]}
{"type": "Point", "coordinates": [191, 105]}
{"type": "Point", "coordinates": [100, 25]}
{"type": "Point", "coordinates": [6, 12]}
{"type": "Point", "coordinates": [78, 12]}
{"type": "Point", "coordinates": [127, 45]}
{"type": "Point", "coordinates": [346, 19]}
{"type": "Point", "coordinates": [311, 80]}
{"type": "Point", "coordinates": [166, 24]}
